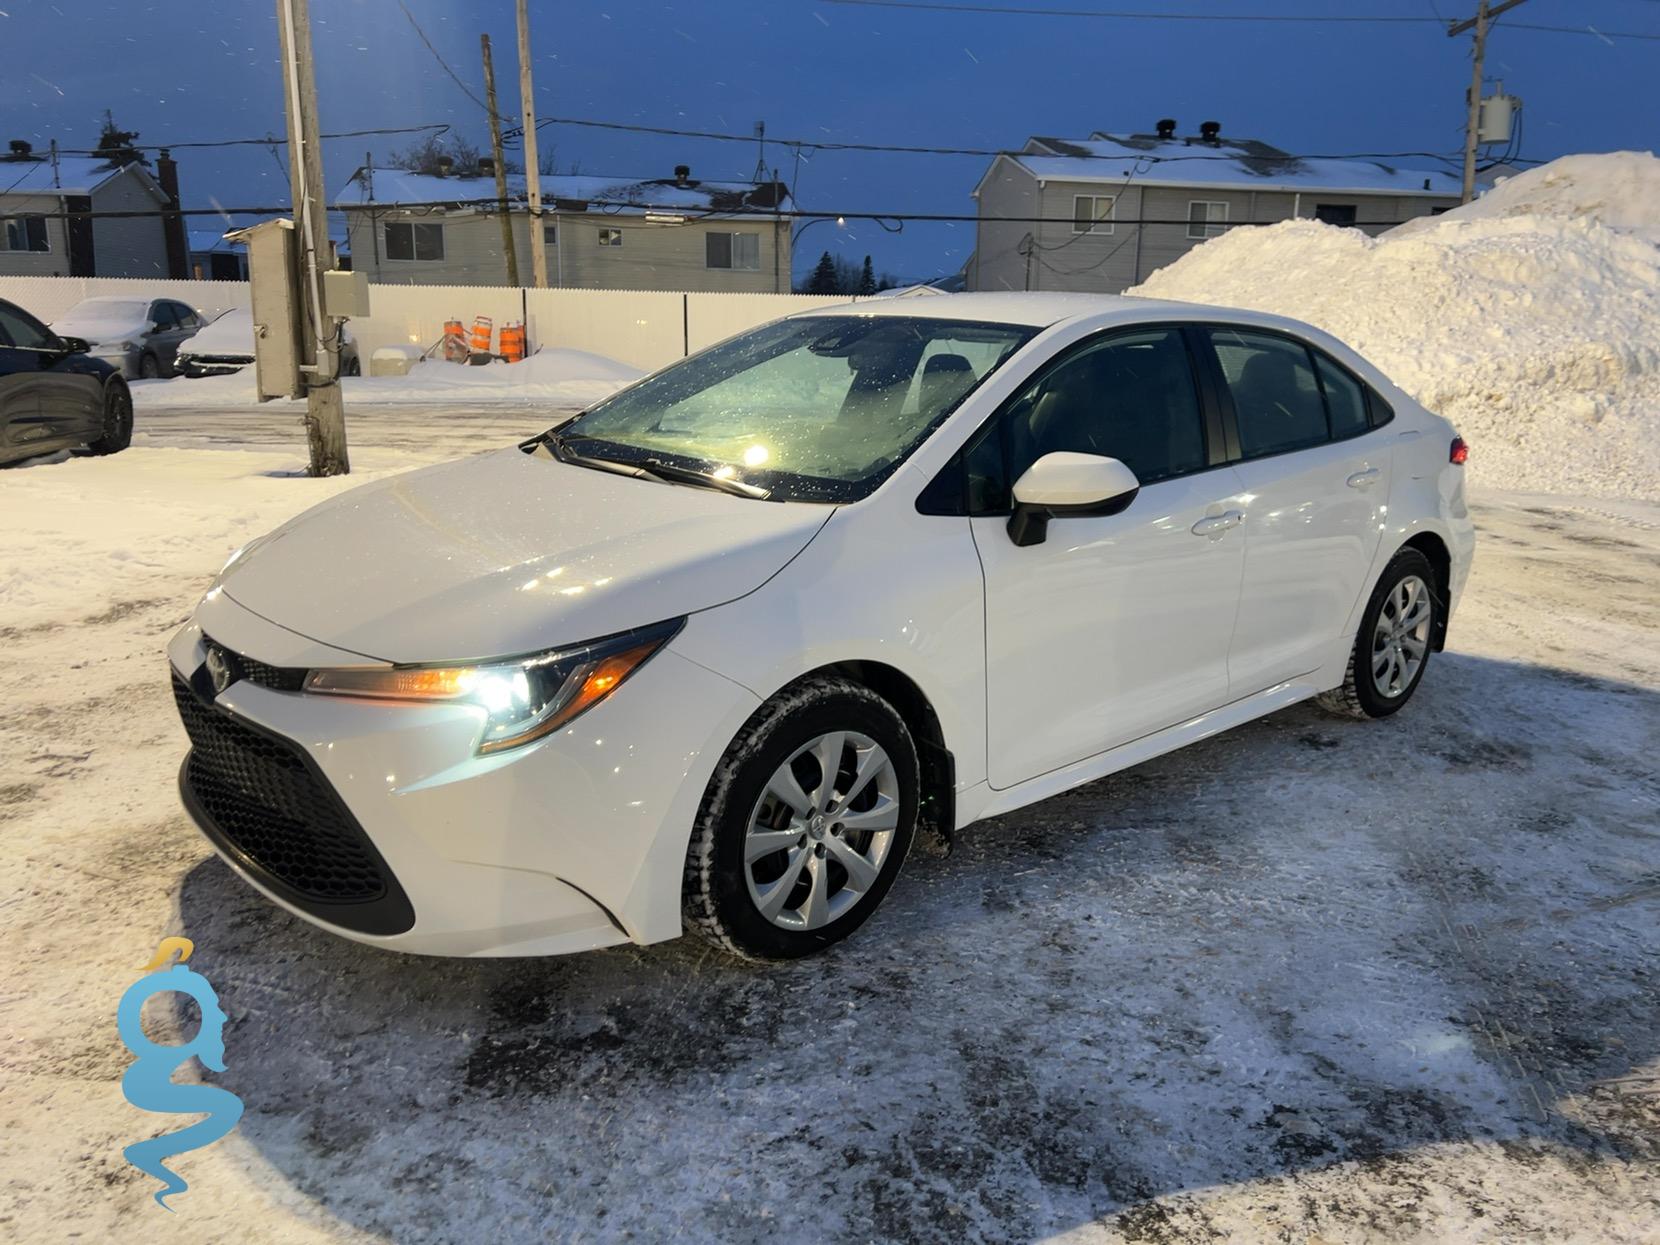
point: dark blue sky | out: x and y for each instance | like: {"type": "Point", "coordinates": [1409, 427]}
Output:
{"type": "Point", "coordinates": [812, 69]}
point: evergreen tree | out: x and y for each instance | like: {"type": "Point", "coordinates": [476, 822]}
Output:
{"type": "Point", "coordinates": [823, 280]}
{"type": "Point", "coordinates": [116, 145]}
{"type": "Point", "coordinates": [867, 280]}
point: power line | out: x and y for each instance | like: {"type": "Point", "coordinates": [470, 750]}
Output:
{"type": "Point", "coordinates": [442, 63]}
{"type": "Point", "coordinates": [269, 140]}
{"type": "Point", "coordinates": [1136, 15]}
{"type": "Point", "coordinates": [1351, 19]}
{"type": "Point", "coordinates": [485, 207]}
{"type": "Point", "coordinates": [1197, 153]}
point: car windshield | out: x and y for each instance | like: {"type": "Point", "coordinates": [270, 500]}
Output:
{"type": "Point", "coordinates": [817, 408]}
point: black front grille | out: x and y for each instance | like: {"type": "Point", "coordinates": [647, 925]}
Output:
{"type": "Point", "coordinates": [259, 797]}
{"type": "Point", "coordinates": [277, 678]}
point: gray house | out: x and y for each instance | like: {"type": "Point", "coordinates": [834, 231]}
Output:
{"type": "Point", "coordinates": [1060, 214]}
{"type": "Point", "coordinates": [672, 233]}
{"type": "Point", "coordinates": [37, 190]}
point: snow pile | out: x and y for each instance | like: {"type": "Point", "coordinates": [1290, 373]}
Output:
{"type": "Point", "coordinates": [1537, 335]}
{"type": "Point", "coordinates": [1620, 189]}
{"type": "Point", "coordinates": [548, 378]}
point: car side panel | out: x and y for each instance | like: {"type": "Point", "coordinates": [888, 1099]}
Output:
{"type": "Point", "coordinates": [877, 584]}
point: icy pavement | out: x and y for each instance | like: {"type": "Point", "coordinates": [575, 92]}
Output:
{"type": "Point", "coordinates": [1312, 980]}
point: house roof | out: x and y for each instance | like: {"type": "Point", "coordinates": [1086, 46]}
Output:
{"type": "Point", "coordinates": [1230, 163]}
{"type": "Point", "coordinates": [568, 191]}
{"type": "Point", "coordinates": [72, 175]}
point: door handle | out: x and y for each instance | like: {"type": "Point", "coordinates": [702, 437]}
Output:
{"type": "Point", "coordinates": [1216, 524]}
{"type": "Point", "coordinates": [1364, 479]}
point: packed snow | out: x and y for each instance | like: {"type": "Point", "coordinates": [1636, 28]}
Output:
{"type": "Point", "coordinates": [549, 378]}
{"type": "Point", "coordinates": [1619, 189]}
{"type": "Point", "coordinates": [1313, 979]}
{"type": "Point", "coordinates": [1530, 319]}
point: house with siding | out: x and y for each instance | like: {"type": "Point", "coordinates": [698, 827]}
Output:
{"type": "Point", "coordinates": [1099, 215]}
{"type": "Point", "coordinates": [37, 190]}
{"type": "Point", "coordinates": [672, 233]}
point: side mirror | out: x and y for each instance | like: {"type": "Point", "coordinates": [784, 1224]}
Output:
{"type": "Point", "coordinates": [1065, 484]}
{"type": "Point", "coordinates": [74, 345]}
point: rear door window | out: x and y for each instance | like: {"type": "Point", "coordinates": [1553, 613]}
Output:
{"type": "Point", "coordinates": [1345, 399]}
{"type": "Point", "coordinates": [1277, 400]}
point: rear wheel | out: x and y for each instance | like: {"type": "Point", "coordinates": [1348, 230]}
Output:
{"type": "Point", "coordinates": [806, 823]}
{"type": "Point", "coordinates": [118, 419]}
{"type": "Point", "coordinates": [1396, 636]}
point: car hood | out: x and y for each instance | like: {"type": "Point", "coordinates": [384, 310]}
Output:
{"type": "Point", "coordinates": [231, 333]}
{"type": "Point", "coordinates": [99, 328]}
{"type": "Point", "coordinates": [508, 553]}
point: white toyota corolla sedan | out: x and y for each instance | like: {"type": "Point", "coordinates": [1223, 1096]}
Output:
{"type": "Point", "coordinates": [711, 653]}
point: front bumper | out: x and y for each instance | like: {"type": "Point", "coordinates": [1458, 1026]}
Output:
{"type": "Point", "coordinates": [198, 366]}
{"type": "Point", "coordinates": [574, 842]}
{"type": "Point", "coordinates": [123, 361]}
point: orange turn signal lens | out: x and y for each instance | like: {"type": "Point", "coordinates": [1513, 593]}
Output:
{"type": "Point", "coordinates": [407, 684]}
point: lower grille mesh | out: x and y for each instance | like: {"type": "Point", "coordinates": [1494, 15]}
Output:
{"type": "Point", "coordinates": [277, 814]}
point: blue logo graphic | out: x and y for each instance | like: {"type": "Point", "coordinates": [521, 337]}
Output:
{"type": "Point", "coordinates": [148, 1083]}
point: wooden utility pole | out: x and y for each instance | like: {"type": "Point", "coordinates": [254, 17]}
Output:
{"type": "Point", "coordinates": [1480, 23]}
{"type": "Point", "coordinates": [502, 208]}
{"type": "Point", "coordinates": [320, 342]}
{"type": "Point", "coordinates": [533, 173]}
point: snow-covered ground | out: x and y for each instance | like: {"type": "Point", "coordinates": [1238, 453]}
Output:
{"type": "Point", "coordinates": [1530, 318]}
{"type": "Point", "coordinates": [1314, 979]}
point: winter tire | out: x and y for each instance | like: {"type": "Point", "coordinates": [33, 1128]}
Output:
{"type": "Point", "coordinates": [149, 367]}
{"type": "Point", "coordinates": [1393, 645]}
{"type": "Point", "coordinates": [118, 419]}
{"type": "Point", "coordinates": [806, 823]}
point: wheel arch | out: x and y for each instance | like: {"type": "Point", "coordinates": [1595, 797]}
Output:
{"type": "Point", "coordinates": [1435, 549]}
{"type": "Point", "coordinates": [936, 815]}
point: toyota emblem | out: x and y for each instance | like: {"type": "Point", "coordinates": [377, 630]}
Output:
{"type": "Point", "coordinates": [219, 670]}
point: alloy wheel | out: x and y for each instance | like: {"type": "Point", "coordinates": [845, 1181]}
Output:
{"type": "Point", "coordinates": [821, 831]}
{"type": "Point", "coordinates": [1400, 640]}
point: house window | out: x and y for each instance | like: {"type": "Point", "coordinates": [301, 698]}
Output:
{"type": "Point", "coordinates": [610, 237]}
{"type": "Point", "coordinates": [1206, 218]}
{"type": "Point", "coordinates": [1093, 213]}
{"type": "Point", "coordinates": [408, 240]}
{"type": "Point", "coordinates": [24, 233]}
{"type": "Point", "coordinates": [1335, 213]}
{"type": "Point", "coordinates": [741, 251]}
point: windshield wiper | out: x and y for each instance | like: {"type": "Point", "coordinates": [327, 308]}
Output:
{"type": "Point", "coordinates": [651, 468]}
{"type": "Point", "coordinates": [703, 479]}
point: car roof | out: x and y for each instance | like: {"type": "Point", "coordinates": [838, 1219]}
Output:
{"type": "Point", "coordinates": [1042, 310]}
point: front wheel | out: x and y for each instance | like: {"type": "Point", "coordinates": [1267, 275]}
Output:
{"type": "Point", "coordinates": [149, 367]}
{"type": "Point", "coordinates": [118, 419]}
{"type": "Point", "coordinates": [805, 824]}
{"type": "Point", "coordinates": [1393, 646]}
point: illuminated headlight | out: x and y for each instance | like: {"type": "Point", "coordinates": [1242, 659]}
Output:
{"type": "Point", "coordinates": [524, 698]}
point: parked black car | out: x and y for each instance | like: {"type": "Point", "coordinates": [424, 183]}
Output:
{"type": "Point", "coordinates": [54, 395]}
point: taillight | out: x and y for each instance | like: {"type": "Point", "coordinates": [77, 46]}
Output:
{"type": "Point", "coordinates": [1460, 452]}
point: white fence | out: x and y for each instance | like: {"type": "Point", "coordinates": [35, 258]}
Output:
{"type": "Point", "coordinates": [643, 328]}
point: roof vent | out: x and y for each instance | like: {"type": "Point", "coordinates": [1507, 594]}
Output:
{"type": "Point", "coordinates": [1167, 127]}
{"type": "Point", "coordinates": [682, 174]}
{"type": "Point", "coordinates": [1210, 131]}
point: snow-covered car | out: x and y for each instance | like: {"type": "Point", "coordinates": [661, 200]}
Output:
{"type": "Point", "coordinates": [54, 395]}
{"type": "Point", "coordinates": [709, 654]}
{"type": "Point", "coordinates": [227, 345]}
{"type": "Point", "coordinates": [139, 336]}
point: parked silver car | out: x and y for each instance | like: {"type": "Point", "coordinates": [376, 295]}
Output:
{"type": "Point", "coordinates": [227, 345]}
{"type": "Point", "coordinates": [140, 336]}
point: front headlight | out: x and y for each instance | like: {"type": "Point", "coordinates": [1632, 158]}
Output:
{"type": "Point", "coordinates": [525, 698]}
{"type": "Point", "coordinates": [126, 347]}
